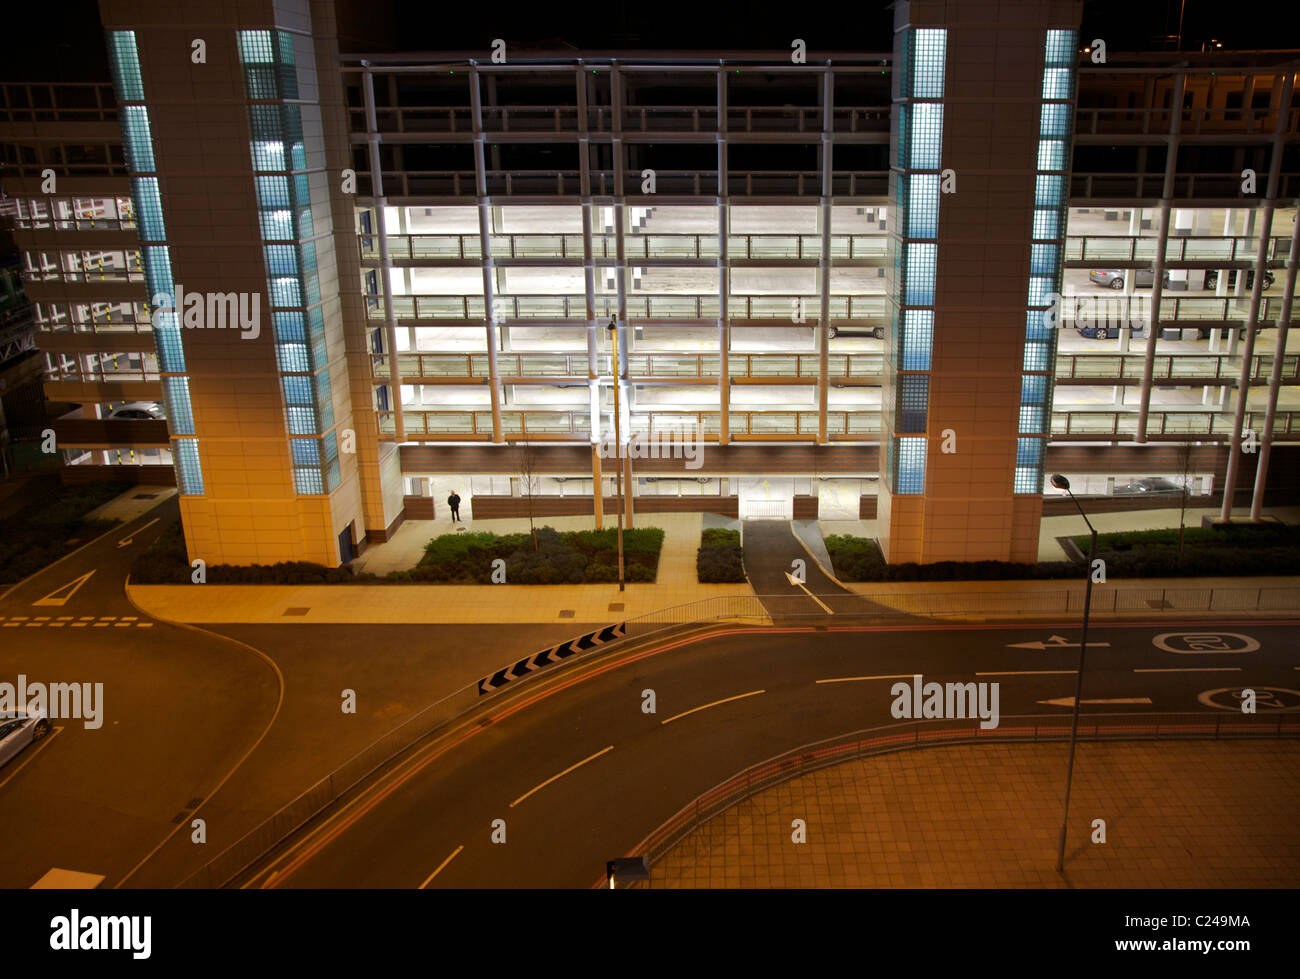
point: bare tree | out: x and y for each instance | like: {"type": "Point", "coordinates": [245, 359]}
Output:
{"type": "Point", "coordinates": [527, 473]}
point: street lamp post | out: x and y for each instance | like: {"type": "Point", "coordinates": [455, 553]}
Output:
{"type": "Point", "coordinates": [1061, 483]}
{"type": "Point", "coordinates": [618, 446]}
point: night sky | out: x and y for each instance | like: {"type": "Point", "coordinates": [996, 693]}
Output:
{"type": "Point", "coordinates": [63, 40]}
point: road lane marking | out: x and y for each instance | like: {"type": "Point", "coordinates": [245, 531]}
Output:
{"type": "Point", "coordinates": [1191, 669]}
{"type": "Point", "coordinates": [65, 591]}
{"type": "Point", "coordinates": [1028, 673]}
{"type": "Point", "coordinates": [561, 775]}
{"type": "Point", "coordinates": [441, 865]}
{"type": "Point", "coordinates": [1069, 701]}
{"type": "Point", "coordinates": [799, 584]}
{"type": "Point", "coordinates": [724, 700]}
{"type": "Point", "coordinates": [130, 538]}
{"type": "Point", "coordinates": [850, 679]}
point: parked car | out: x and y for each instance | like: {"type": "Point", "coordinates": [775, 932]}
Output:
{"type": "Point", "coordinates": [140, 410]}
{"type": "Point", "coordinates": [875, 332]}
{"type": "Point", "coordinates": [20, 728]}
{"type": "Point", "coordinates": [1114, 278]}
{"type": "Point", "coordinates": [1212, 278]}
{"type": "Point", "coordinates": [1109, 331]}
{"type": "Point", "coordinates": [1151, 486]}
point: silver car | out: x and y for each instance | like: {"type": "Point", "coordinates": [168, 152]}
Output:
{"type": "Point", "coordinates": [20, 728]}
{"type": "Point", "coordinates": [1114, 278]}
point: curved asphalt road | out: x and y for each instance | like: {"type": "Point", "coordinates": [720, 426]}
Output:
{"type": "Point", "coordinates": [180, 709]}
{"type": "Point", "coordinates": [580, 774]}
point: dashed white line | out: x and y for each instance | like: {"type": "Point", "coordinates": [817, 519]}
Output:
{"type": "Point", "coordinates": [440, 866]}
{"type": "Point", "coordinates": [724, 700]}
{"type": "Point", "coordinates": [1191, 669]}
{"type": "Point", "coordinates": [561, 775]}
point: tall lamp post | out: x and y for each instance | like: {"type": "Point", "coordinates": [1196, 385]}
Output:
{"type": "Point", "coordinates": [1061, 483]}
{"type": "Point", "coordinates": [618, 445]}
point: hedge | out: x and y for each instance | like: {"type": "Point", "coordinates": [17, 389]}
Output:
{"type": "Point", "coordinates": [575, 557]}
{"type": "Point", "coordinates": [720, 558]}
{"type": "Point", "coordinates": [1126, 556]}
{"type": "Point", "coordinates": [39, 534]}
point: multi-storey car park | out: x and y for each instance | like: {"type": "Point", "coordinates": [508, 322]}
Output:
{"type": "Point", "coordinates": [900, 284]}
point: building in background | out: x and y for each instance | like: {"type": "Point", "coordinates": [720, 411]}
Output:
{"type": "Point", "coordinates": [437, 244]}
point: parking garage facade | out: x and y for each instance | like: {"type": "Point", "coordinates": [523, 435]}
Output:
{"type": "Point", "coordinates": [746, 224]}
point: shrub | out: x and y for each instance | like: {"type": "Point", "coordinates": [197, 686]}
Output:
{"type": "Point", "coordinates": [720, 559]}
{"type": "Point", "coordinates": [38, 533]}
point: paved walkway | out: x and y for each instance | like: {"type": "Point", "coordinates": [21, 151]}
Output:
{"type": "Point", "coordinates": [1178, 814]}
{"type": "Point", "coordinates": [676, 584]}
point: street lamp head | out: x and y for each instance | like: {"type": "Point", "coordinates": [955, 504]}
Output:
{"type": "Point", "coordinates": [1060, 482]}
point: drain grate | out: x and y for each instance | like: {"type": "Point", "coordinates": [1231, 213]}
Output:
{"type": "Point", "coordinates": [296, 610]}
{"type": "Point", "coordinates": [145, 496]}
{"type": "Point", "coordinates": [616, 606]}
{"type": "Point", "coordinates": [567, 613]}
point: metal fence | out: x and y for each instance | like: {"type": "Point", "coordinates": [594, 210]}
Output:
{"type": "Point", "coordinates": [1033, 729]}
{"type": "Point", "coordinates": [748, 609]}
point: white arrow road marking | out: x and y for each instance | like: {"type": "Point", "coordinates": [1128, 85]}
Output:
{"type": "Point", "coordinates": [57, 597]}
{"type": "Point", "coordinates": [130, 538]}
{"type": "Point", "coordinates": [1055, 642]}
{"type": "Point", "coordinates": [1069, 701]}
{"type": "Point", "coordinates": [796, 581]}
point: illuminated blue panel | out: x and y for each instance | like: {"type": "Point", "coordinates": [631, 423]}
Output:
{"type": "Point", "coordinates": [909, 465]}
{"type": "Point", "coordinates": [929, 48]}
{"type": "Point", "coordinates": [917, 339]}
{"type": "Point", "coordinates": [922, 203]}
{"type": "Point", "coordinates": [925, 146]}
{"type": "Point", "coordinates": [918, 273]}
{"type": "Point", "coordinates": [189, 472]}
{"type": "Point", "coordinates": [148, 209]}
{"type": "Point", "coordinates": [180, 415]}
{"type": "Point", "coordinates": [125, 62]}
{"type": "Point", "coordinates": [913, 402]}
{"type": "Point", "coordinates": [137, 142]}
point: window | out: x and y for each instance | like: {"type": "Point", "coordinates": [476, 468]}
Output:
{"type": "Point", "coordinates": [917, 340]}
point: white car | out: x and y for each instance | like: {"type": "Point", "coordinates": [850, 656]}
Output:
{"type": "Point", "coordinates": [20, 728]}
{"type": "Point", "coordinates": [140, 410]}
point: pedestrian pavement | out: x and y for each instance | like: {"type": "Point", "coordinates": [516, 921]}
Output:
{"type": "Point", "coordinates": [675, 585]}
{"type": "Point", "coordinates": [1177, 815]}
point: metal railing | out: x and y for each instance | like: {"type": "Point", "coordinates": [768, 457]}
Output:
{"type": "Point", "coordinates": [1139, 248]}
{"type": "Point", "coordinates": [461, 247]}
{"type": "Point", "coordinates": [887, 739]}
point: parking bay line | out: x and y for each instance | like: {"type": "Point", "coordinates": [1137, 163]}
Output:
{"type": "Point", "coordinates": [724, 700]}
{"type": "Point", "coordinates": [561, 775]}
{"type": "Point", "coordinates": [28, 760]}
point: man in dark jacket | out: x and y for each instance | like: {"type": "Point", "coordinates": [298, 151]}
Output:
{"type": "Point", "coordinates": [453, 501]}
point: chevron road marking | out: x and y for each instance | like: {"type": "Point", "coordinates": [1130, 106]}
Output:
{"type": "Point", "coordinates": [546, 657]}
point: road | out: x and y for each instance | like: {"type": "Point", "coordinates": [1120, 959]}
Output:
{"type": "Point", "coordinates": [580, 774]}
{"type": "Point", "coordinates": [179, 710]}
{"type": "Point", "coordinates": [225, 725]}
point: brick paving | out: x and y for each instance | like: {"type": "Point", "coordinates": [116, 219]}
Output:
{"type": "Point", "coordinates": [1178, 814]}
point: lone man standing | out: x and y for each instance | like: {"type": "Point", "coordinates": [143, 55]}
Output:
{"type": "Point", "coordinates": [453, 502]}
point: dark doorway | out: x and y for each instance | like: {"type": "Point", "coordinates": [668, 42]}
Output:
{"type": "Point", "coordinates": [347, 550]}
